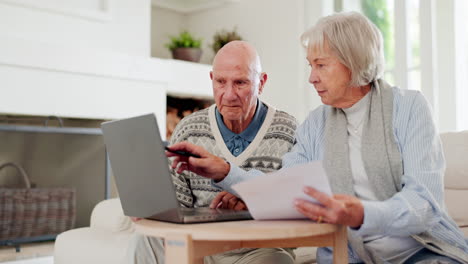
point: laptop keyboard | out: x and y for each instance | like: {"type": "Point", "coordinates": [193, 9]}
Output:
{"type": "Point", "coordinates": [207, 214]}
{"type": "Point", "coordinates": [208, 211]}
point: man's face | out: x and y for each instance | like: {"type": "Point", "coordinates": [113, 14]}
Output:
{"type": "Point", "coordinates": [235, 88]}
{"type": "Point", "coordinates": [330, 77]}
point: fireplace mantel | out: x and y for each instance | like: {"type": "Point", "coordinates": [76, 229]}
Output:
{"type": "Point", "coordinates": [43, 79]}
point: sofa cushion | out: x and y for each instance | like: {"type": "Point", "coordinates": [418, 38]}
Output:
{"type": "Point", "coordinates": [455, 145]}
{"type": "Point", "coordinates": [88, 245]}
{"type": "Point", "coordinates": [465, 231]}
{"type": "Point", "coordinates": [456, 205]}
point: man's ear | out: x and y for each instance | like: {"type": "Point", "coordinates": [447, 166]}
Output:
{"type": "Point", "coordinates": [263, 79]}
{"type": "Point", "coordinates": [211, 75]}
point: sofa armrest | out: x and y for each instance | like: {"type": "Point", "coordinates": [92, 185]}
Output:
{"type": "Point", "coordinates": [108, 215]}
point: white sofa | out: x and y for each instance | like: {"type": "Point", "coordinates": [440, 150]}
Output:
{"type": "Point", "coordinates": [106, 240]}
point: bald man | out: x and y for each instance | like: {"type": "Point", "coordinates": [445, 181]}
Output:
{"type": "Point", "coordinates": [239, 128]}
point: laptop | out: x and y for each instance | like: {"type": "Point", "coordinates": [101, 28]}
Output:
{"type": "Point", "coordinates": [141, 171]}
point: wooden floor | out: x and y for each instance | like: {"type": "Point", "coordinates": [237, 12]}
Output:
{"type": "Point", "coordinates": [29, 250]}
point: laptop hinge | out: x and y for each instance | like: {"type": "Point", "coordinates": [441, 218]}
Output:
{"type": "Point", "coordinates": [174, 215]}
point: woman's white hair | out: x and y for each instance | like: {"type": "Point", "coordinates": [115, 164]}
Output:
{"type": "Point", "coordinates": [354, 40]}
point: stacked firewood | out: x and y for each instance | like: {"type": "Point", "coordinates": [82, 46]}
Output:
{"type": "Point", "coordinates": [178, 108]}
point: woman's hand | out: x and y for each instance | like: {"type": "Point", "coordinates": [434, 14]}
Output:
{"type": "Point", "coordinates": [225, 200]}
{"type": "Point", "coordinates": [339, 209]}
{"type": "Point", "coordinates": [208, 165]}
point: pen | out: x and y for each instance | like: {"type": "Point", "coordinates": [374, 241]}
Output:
{"type": "Point", "coordinates": [182, 153]}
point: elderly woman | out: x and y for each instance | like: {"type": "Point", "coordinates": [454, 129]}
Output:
{"type": "Point", "coordinates": [379, 147]}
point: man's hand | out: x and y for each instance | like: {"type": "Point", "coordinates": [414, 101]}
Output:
{"type": "Point", "coordinates": [208, 165]}
{"type": "Point", "coordinates": [135, 219]}
{"type": "Point", "coordinates": [338, 209]}
{"type": "Point", "coordinates": [225, 200]}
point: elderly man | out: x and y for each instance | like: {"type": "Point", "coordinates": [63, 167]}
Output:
{"type": "Point", "coordinates": [240, 129]}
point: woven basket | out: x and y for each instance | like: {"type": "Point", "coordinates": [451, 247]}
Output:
{"type": "Point", "coordinates": [32, 212]}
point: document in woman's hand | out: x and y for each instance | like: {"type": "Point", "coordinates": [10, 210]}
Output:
{"type": "Point", "coordinates": [272, 195]}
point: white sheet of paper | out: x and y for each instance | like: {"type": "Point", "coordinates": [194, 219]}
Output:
{"type": "Point", "coordinates": [271, 196]}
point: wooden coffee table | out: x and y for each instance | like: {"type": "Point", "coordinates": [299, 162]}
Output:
{"type": "Point", "coordinates": [189, 243]}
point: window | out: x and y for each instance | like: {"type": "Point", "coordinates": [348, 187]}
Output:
{"type": "Point", "coordinates": [414, 40]}
{"type": "Point", "coordinates": [382, 14]}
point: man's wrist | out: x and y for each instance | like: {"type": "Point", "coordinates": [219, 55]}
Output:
{"type": "Point", "coordinates": [224, 174]}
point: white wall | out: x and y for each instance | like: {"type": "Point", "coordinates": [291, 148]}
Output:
{"type": "Point", "coordinates": [274, 28]}
{"type": "Point", "coordinates": [86, 59]}
{"type": "Point", "coordinates": [115, 25]}
{"type": "Point", "coordinates": [164, 23]}
{"type": "Point", "coordinates": [43, 79]}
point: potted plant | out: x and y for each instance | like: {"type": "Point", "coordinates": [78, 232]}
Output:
{"type": "Point", "coordinates": [223, 37]}
{"type": "Point", "coordinates": [185, 47]}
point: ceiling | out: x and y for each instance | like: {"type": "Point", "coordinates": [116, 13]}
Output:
{"type": "Point", "coordinates": [188, 6]}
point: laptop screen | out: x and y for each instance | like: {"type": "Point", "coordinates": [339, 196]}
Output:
{"type": "Point", "coordinates": [139, 165]}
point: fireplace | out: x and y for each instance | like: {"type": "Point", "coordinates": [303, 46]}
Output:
{"type": "Point", "coordinates": [66, 153]}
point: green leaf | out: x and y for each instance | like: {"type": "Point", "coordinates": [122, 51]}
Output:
{"type": "Point", "coordinates": [183, 40]}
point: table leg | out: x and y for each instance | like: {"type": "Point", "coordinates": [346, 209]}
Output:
{"type": "Point", "coordinates": [179, 249]}
{"type": "Point", "coordinates": [340, 246]}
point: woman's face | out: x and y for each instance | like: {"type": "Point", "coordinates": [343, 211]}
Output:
{"type": "Point", "coordinates": [330, 78]}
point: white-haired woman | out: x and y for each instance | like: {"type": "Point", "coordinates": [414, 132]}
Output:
{"type": "Point", "coordinates": [379, 147]}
